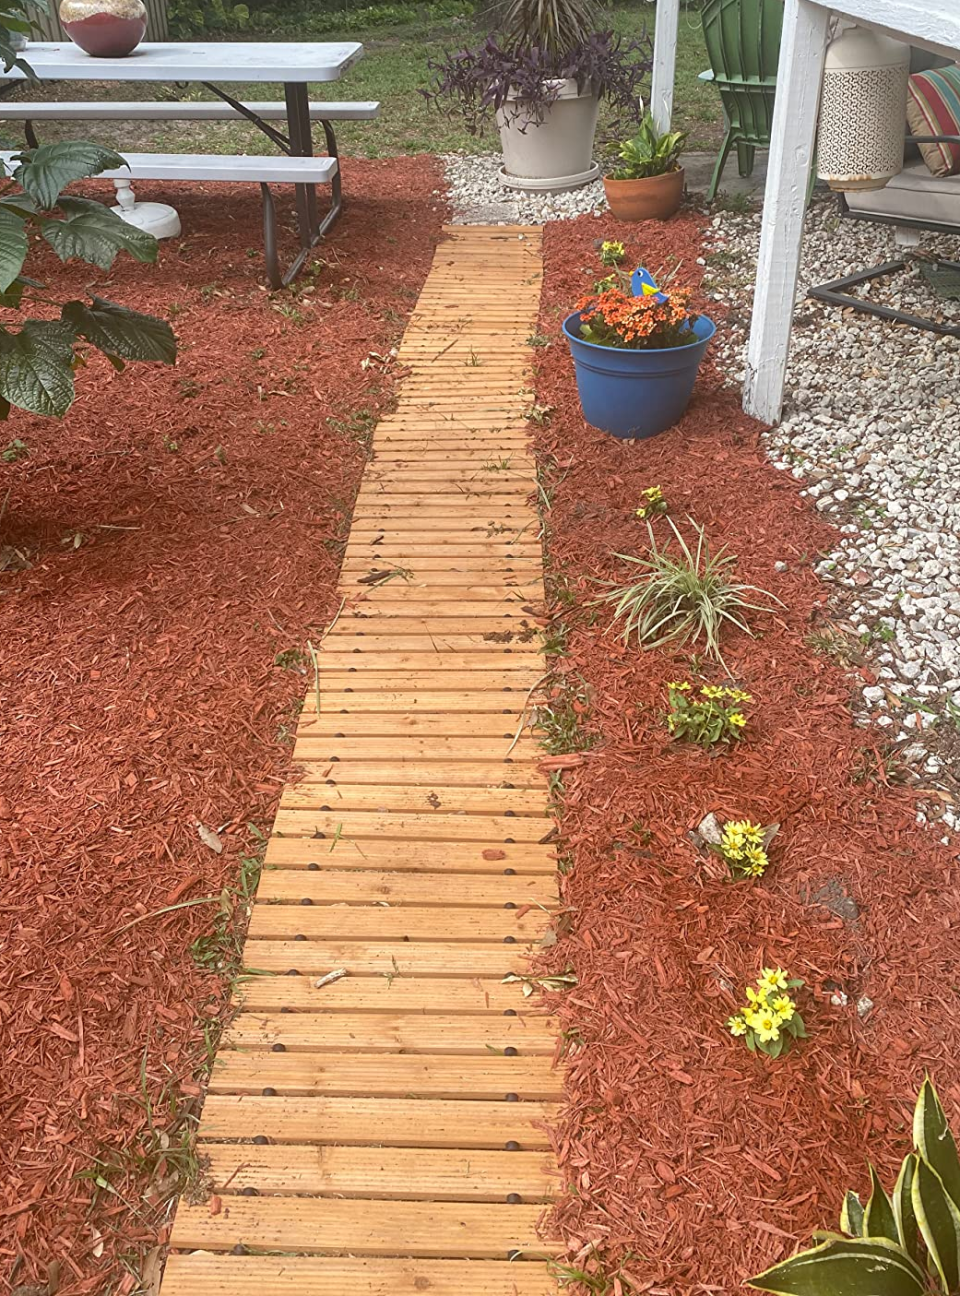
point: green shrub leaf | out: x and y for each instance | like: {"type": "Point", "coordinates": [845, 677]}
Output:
{"type": "Point", "coordinates": [851, 1215]}
{"type": "Point", "coordinates": [856, 1267]}
{"type": "Point", "coordinates": [933, 1140]}
{"type": "Point", "coordinates": [93, 233]}
{"type": "Point", "coordinates": [45, 171]}
{"type": "Point", "coordinates": [13, 246]}
{"type": "Point", "coordinates": [878, 1217]}
{"type": "Point", "coordinates": [35, 367]}
{"type": "Point", "coordinates": [907, 1226]}
{"type": "Point", "coordinates": [121, 332]}
{"type": "Point", "coordinates": [939, 1222]}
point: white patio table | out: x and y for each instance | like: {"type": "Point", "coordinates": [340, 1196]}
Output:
{"type": "Point", "coordinates": [293, 64]}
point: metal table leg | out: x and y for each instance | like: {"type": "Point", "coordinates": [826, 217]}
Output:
{"type": "Point", "coordinates": [298, 143]}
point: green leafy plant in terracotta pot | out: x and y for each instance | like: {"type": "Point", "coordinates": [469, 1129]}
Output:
{"type": "Point", "coordinates": [648, 185]}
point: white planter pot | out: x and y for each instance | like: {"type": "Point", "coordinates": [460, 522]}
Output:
{"type": "Point", "coordinates": [555, 154]}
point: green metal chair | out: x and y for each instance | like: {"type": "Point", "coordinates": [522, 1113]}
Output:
{"type": "Point", "coordinates": [743, 45]}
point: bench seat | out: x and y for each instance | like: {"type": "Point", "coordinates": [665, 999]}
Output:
{"type": "Point", "coordinates": [266, 169]}
{"type": "Point", "coordinates": [305, 172]}
{"type": "Point", "coordinates": [194, 110]}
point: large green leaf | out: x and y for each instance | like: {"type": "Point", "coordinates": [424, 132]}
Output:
{"type": "Point", "coordinates": [939, 1222]}
{"type": "Point", "coordinates": [851, 1215]}
{"type": "Point", "coordinates": [35, 367]}
{"type": "Point", "coordinates": [933, 1140]}
{"type": "Point", "coordinates": [45, 171]}
{"type": "Point", "coordinates": [92, 232]}
{"type": "Point", "coordinates": [907, 1227]}
{"type": "Point", "coordinates": [858, 1267]}
{"type": "Point", "coordinates": [878, 1217]}
{"type": "Point", "coordinates": [122, 332]}
{"type": "Point", "coordinates": [13, 246]}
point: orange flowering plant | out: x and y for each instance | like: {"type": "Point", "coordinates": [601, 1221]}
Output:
{"type": "Point", "coordinates": [613, 318]}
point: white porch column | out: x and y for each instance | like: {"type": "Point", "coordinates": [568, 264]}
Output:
{"type": "Point", "coordinates": [799, 78]}
{"type": "Point", "coordinates": [664, 62]}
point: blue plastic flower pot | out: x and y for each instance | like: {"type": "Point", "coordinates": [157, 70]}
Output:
{"type": "Point", "coordinates": [635, 393]}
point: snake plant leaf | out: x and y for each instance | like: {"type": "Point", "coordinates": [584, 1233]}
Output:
{"type": "Point", "coordinates": [851, 1215]}
{"type": "Point", "coordinates": [878, 1217]}
{"type": "Point", "coordinates": [933, 1140]}
{"type": "Point", "coordinates": [907, 1227]}
{"type": "Point", "coordinates": [939, 1222]}
{"type": "Point", "coordinates": [846, 1267]}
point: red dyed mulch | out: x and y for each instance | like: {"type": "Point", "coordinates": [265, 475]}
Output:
{"type": "Point", "coordinates": [182, 527]}
{"type": "Point", "coordinates": [696, 1164]}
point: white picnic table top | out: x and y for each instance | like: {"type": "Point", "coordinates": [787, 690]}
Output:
{"type": "Point", "coordinates": [286, 61]}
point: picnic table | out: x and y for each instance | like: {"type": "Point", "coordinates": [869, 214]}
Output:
{"type": "Point", "coordinates": [294, 64]}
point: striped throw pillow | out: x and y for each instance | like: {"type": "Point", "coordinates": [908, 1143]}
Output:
{"type": "Point", "coordinates": [933, 108]}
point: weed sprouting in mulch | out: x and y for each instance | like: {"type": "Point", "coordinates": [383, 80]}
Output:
{"type": "Point", "coordinates": [691, 1163]}
{"type": "Point", "coordinates": [166, 555]}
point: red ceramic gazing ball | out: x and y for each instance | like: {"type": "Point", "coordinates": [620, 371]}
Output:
{"type": "Point", "coordinates": [104, 28]}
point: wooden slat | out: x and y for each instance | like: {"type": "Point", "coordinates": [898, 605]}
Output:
{"type": "Point", "coordinates": [431, 1229]}
{"type": "Point", "coordinates": [366, 886]}
{"type": "Point", "coordinates": [397, 1032]}
{"type": "Point", "coordinates": [388, 958]}
{"type": "Point", "coordinates": [436, 799]}
{"type": "Point", "coordinates": [399, 923]}
{"type": "Point", "coordinates": [407, 1174]}
{"type": "Point", "coordinates": [400, 747]}
{"type": "Point", "coordinates": [378, 994]}
{"type": "Point", "coordinates": [205, 1274]}
{"type": "Point", "coordinates": [350, 724]}
{"type": "Point", "coordinates": [377, 1075]}
{"type": "Point", "coordinates": [424, 857]}
{"type": "Point", "coordinates": [358, 824]}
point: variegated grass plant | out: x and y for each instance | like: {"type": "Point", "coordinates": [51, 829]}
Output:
{"type": "Point", "coordinates": [684, 595]}
{"type": "Point", "coordinates": [904, 1244]}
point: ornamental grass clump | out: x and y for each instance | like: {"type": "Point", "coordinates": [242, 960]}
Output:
{"type": "Point", "coordinates": [904, 1244]}
{"type": "Point", "coordinates": [712, 715]}
{"type": "Point", "coordinates": [769, 1022]}
{"type": "Point", "coordinates": [683, 596]}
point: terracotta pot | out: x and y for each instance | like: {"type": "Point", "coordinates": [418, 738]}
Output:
{"type": "Point", "coordinates": [654, 198]}
{"type": "Point", "coordinates": [104, 28]}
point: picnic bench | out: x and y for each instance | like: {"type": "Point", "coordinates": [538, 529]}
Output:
{"type": "Point", "coordinates": [293, 64]}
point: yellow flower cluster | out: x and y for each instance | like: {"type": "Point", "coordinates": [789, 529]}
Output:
{"type": "Point", "coordinates": [612, 253]}
{"type": "Point", "coordinates": [716, 692]}
{"type": "Point", "coordinates": [655, 503]}
{"type": "Point", "coordinates": [768, 1012]}
{"type": "Point", "coordinates": [741, 845]}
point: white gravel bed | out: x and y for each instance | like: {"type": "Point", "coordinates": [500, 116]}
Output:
{"type": "Point", "coordinates": [479, 197]}
{"type": "Point", "coordinates": [872, 424]}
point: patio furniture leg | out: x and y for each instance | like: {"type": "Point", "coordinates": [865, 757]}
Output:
{"type": "Point", "coordinates": [833, 293]}
{"type": "Point", "coordinates": [746, 155]}
{"type": "Point", "coordinates": [721, 162]}
{"type": "Point", "coordinates": [800, 73]}
{"type": "Point", "coordinates": [301, 145]}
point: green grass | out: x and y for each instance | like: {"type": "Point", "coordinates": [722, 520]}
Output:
{"type": "Point", "coordinates": [393, 70]}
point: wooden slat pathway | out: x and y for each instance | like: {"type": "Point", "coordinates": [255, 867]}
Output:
{"type": "Point", "coordinates": [385, 1134]}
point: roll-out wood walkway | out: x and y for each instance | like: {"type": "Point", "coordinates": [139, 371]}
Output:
{"type": "Point", "coordinates": [383, 1134]}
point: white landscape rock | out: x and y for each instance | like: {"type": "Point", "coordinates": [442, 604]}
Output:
{"type": "Point", "coordinates": [871, 426]}
{"type": "Point", "coordinates": [479, 196]}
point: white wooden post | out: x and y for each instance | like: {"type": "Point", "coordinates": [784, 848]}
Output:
{"type": "Point", "coordinates": [664, 62]}
{"type": "Point", "coordinates": [793, 138]}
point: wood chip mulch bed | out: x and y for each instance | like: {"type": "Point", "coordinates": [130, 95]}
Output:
{"type": "Point", "coordinates": [693, 1163]}
{"type": "Point", "coordinates": [158, 550]}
